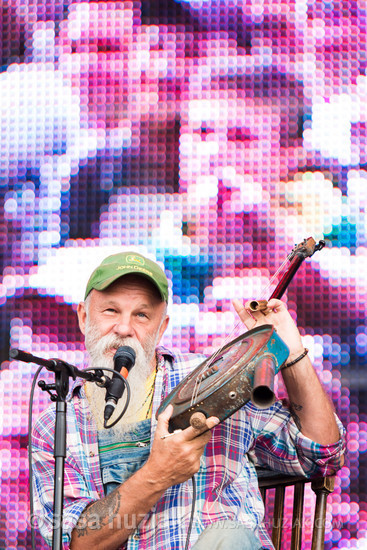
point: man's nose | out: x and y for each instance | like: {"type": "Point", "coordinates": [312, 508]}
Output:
{"type": "Point", "coordinates": [124, 327]}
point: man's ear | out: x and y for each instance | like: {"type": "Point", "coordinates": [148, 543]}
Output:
{"type": "Point", "coordinates": [82, 315]}
{"type": "Point", "coordinates": [163, 327]}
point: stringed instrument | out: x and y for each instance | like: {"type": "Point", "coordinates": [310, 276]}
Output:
{"type": "Point", "coordinates": [242, 370]}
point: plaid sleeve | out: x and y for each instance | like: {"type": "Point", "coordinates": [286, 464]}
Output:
{"type": "Point", "coordinates": [77, 492]}
{"type": "Point", "coordinates": [281, 446]}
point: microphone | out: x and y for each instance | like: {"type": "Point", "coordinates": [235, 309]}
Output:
{"type": "Point", "coordinates": [123, 360]}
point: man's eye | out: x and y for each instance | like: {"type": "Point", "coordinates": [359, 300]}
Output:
{"type": "Point", "coordinates": [141, 314]}
{"type": "Point", "coordinates": [110, 310]}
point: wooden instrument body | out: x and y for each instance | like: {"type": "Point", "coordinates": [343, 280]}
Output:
{"type": "Point", "coordinates": [221, 386]}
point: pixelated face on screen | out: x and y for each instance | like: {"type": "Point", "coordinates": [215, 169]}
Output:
{"type": "Point", "coordinates": [210, 135]}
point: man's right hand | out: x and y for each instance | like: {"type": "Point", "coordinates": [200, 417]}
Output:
{"type": "Point", "coordinates": [176, 458]}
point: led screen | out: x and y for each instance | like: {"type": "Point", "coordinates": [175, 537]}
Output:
{"type": "Point", "coordinates": [212, 136]}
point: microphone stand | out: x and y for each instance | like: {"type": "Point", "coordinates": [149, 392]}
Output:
{"type": "Point", "coordinates": [63, 371]}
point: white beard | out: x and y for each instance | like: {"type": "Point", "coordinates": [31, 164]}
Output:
{"type": "Point", "coordinates": [97, 348]}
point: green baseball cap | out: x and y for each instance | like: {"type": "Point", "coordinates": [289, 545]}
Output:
{"type": "Point", "coordinates": [116, 266]}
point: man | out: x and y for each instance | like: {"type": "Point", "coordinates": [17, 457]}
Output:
{"type": "Point", "coordinates": [132, 484]}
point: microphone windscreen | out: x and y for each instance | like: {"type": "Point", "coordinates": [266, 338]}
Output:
{"type": "Point", "coordinates": [124, 357]}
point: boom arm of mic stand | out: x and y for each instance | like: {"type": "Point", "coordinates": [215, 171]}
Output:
{"type": "Point", "coordinates": [57, 366]}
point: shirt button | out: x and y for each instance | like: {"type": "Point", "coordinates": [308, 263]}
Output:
{"type": "Point", "coordinates": [91, 453]}
{"type": "Point", "coordinates": [136, 537]}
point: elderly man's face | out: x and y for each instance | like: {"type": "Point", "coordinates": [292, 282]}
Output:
{"type": "Point", "coordinates": [130, 309]}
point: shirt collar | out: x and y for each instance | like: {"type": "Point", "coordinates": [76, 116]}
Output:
{"type": "Point", "coordinates": [163, 354]}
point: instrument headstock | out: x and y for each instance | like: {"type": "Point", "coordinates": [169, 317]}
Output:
{"type": "Point", "coordinates": [306, 248]}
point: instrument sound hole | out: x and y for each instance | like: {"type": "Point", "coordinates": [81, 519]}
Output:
{"type": "Point", "coordinates": [232, 394]}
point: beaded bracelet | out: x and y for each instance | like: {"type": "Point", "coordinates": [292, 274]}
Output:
{"type": "Point", "coordinates": [295, 360]}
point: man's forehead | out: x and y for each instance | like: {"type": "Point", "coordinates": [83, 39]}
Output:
{"type": "Point", "coordinates": [131, 281]}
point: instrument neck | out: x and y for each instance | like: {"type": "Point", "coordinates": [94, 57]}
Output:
{"type": "Point", "coordinates": [287, 277]}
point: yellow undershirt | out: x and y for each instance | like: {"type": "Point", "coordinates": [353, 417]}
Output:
{"type": "Point", "coordinates": [146, 409]}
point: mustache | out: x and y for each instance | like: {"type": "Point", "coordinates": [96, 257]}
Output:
{"type": "Point", "coordinates": [112, 343]}
{"type": "Point", "coordinates": [99, 347]}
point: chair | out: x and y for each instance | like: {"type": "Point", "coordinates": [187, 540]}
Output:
{"type": "Point", "coordinates": [322, 487]}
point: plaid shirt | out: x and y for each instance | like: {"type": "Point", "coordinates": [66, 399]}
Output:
{"type": "Point", "coordinates": [226, 482]}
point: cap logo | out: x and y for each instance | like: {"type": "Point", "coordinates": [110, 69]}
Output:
{"type": "Point", "coordinates": [135, 259]}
